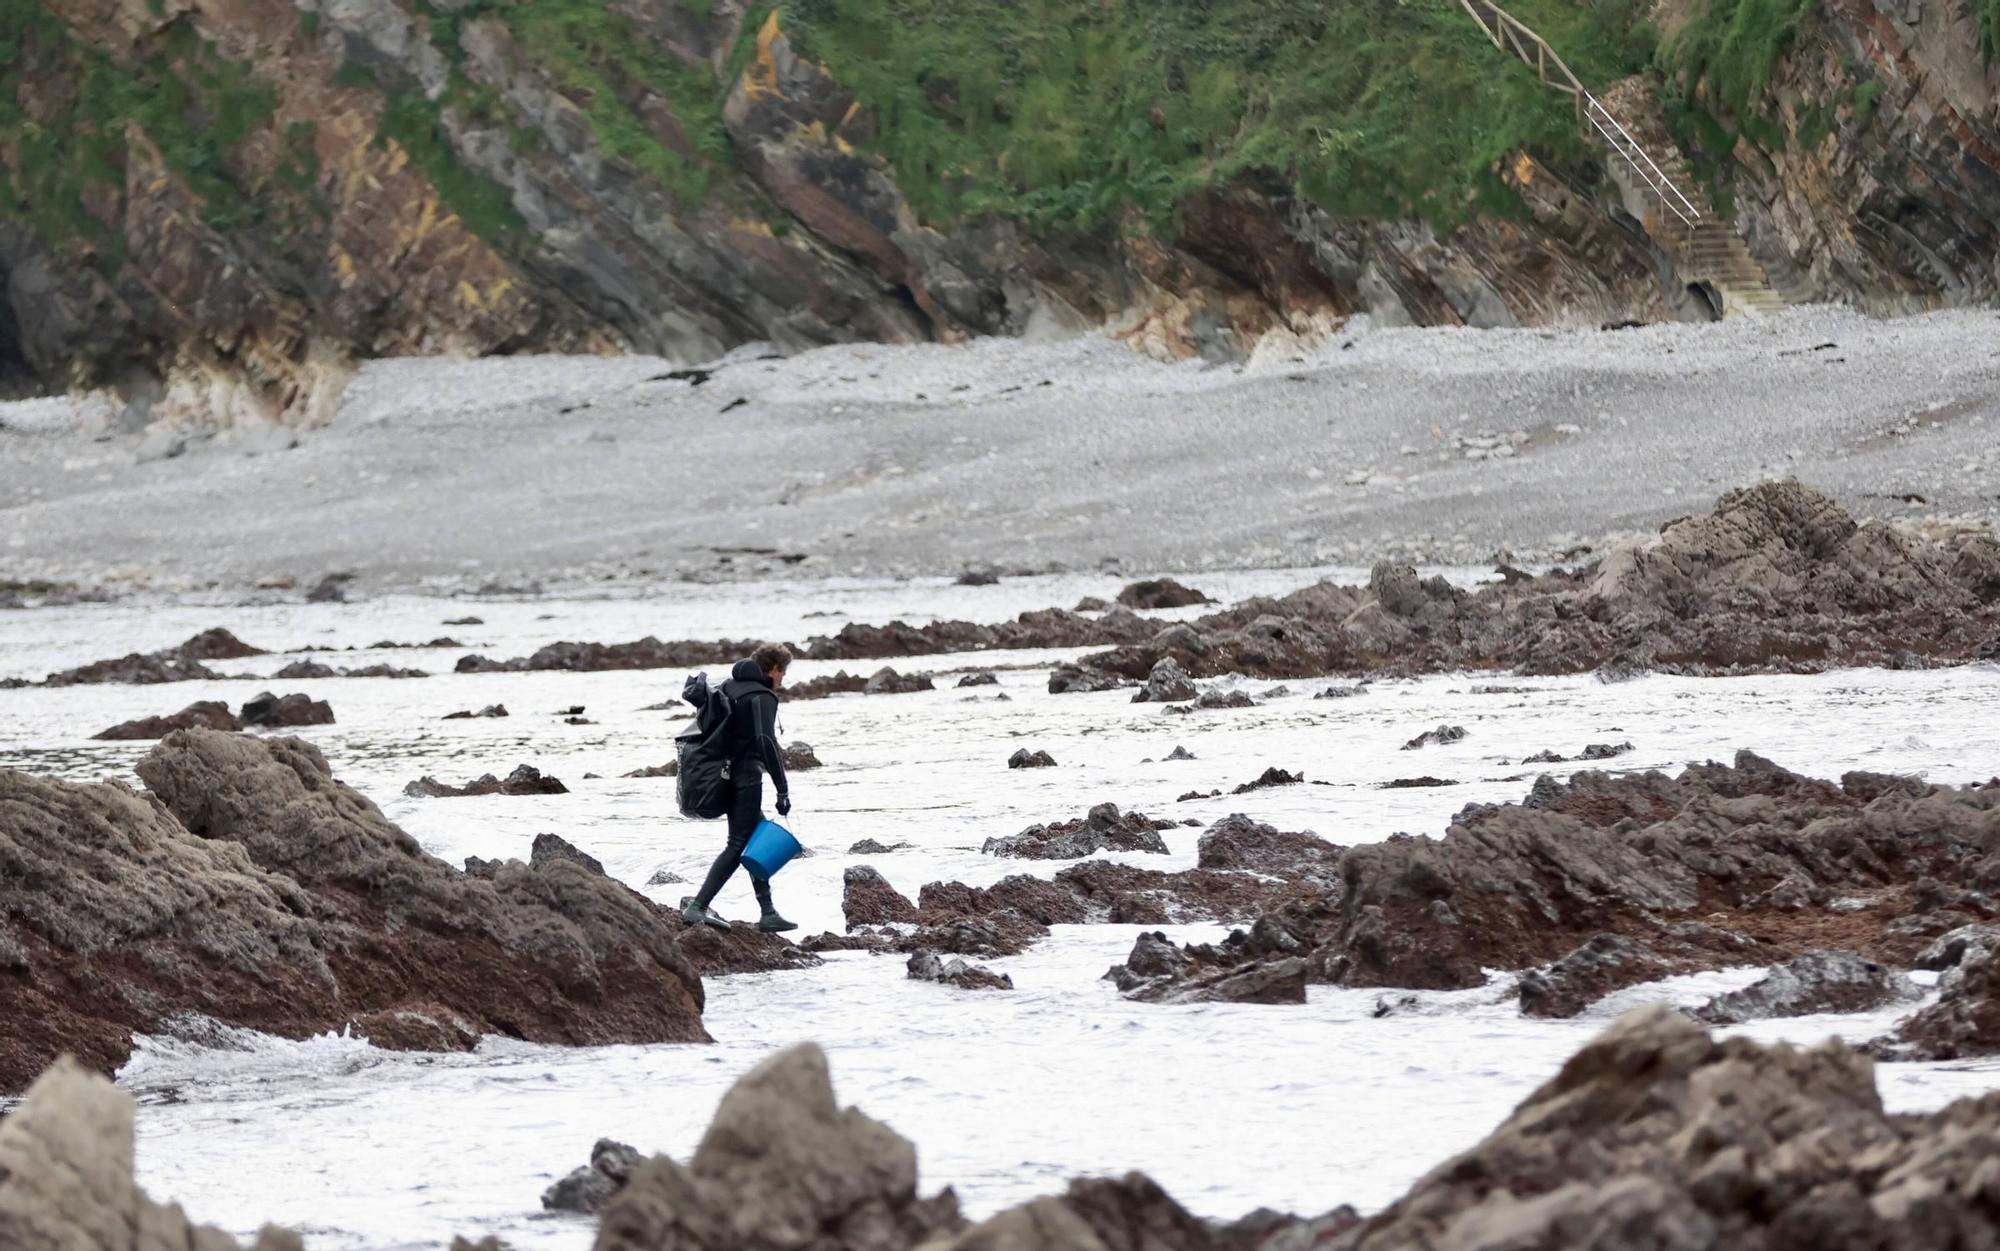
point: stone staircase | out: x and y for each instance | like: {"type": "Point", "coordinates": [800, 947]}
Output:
{"type": "Point", "coordinates": [1650, 171]}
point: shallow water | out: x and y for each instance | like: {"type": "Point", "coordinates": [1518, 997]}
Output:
{"type": "Point", "coordinates": [1006, 1095]}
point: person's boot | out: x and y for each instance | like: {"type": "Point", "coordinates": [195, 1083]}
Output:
{"type": "Point", "coordinates": [693, 913]}
{"type": "Point", "coordinates": [772, 923]}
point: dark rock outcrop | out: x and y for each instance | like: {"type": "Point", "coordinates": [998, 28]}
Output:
{"type": "Point", "coordinates": [1157, 593]}
{"type": "Point", "coordinates": [1965, 1020]}
{"type": "Point", "coordinates": [204, 714]}
{"type": "Point", "coordinates": [868, 899]}
{"type": "Point", "coordinates": [781, 1166]}
{"type": "Point", "coordinates": [926, 965]}
{"type": "Point", "coordinates": [886, 681]}
{"type": "Point", "coordinates": [548, 848]}
{"type": "Point", "coordinates": [1237, 842]}
{"type": "Point", "coordinates": [1272, 776]}
{"type": "Point", "coordinates": [252, 887]}
{"type": "Point", "coordinates": [1603, 964]}
{"type": "Point", "coordinates": [1818, 981]}
{"type": "Point", "coordinates": [799, 758]}
{"type": "Point", "coordinates": [1725, 865]}
{"type": "Point", "coordinates": [466, 714]}
{"type": "Point", "coordinates": [1443, 734]}
{"type": "Point", "coordinates": [1774, 578]}
{"type": "Point", "coordinates": [524, 780]}
{"type": "Point", "coordinates": [1025, 759]}
{"type": "Point", "coordinates": [1105, 828]}
{"type": "Point", "coordinates": [1168, 683]}
{"type": "Point", "coordinates": [1069, 679]}
{"type": "Point", "coordinates": [271, 712]}
{"type": "Point", "coordinates": [588, 1188]}
{"type": "Point", "coordinates": [871, 847]}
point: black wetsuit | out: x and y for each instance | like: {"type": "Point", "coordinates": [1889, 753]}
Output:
{"type": "Point", "coordinates": [753, 732]}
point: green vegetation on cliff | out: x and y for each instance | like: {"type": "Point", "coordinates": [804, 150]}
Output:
{"type": "Point", "coordinates": [1070, 112]}
{"type": "Point", "coordinates": [68, 111]}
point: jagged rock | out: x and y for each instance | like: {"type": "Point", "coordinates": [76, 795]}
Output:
{"type": "Point", "coordinates": [1185, 796]}
{"type": "Point", "coordinates": [870, 847]}
{"type": "Point", "coordinates": [1603, 964]}
{"type": "Point", "coordinates": [781, 1166]}
{"type": "Point", "coordinates": [1965, 1020]}
{"type": "Point", "coordinates": [1443, 734]}
{"type": "Point", "coordinates": [1215, 698]}
{"type": "Point", "coordinates": [799, 758]}
{"type": "Point", "coordinates": [1180, 753]}
{"type": "Point", "coordinates": [1025, 759]}
{"type": "Point", "coordinates": [66, 1176]}
{"type": "Point", "coordinates": [524, 780]}
{"type": "Point", "coordinates": [1272, 776]}
{"type": "Point", "coordinates": [925, 965]}
{"type": "Point", "coordinates": [1157, 971]}
{"type": "Point", "coordinates": [1655, 1135]}
{"type": "Point", "coordinates": [1596, 751]}
{"type": "Point", "coordinates": [205, 714]}
{"type": "Point", "coordinates": [589, 1188]}
{"type": "Point", "coordinates": [979, 679]}
{"type": "Point", "coordinates": [269, 712]}
{"type": "Point", "coordinates": [1132, 1213]}
{"type": "Point", "coordinates": [548, 848]}
{"type": "Point", "coordinates": [1168, 683]}
{"type": "Point", "coordinates": [1160, 593]}
{"type": "Point", "coordinates": [663, 876]}
{"type": "Point", "coordinates": [252, 887]}
{"type": "Point", "coordinates": [1236, 842]}
{"type": "Point", "coordinates": [868, 899]}
{"type": "Point", "coordinates": [1104, 828]}
{"type": "Point", "coordinates": [886, 681]}
{"type": "Point", "coordinates": [171, 665]}
{"type": "Point", "coordinates": [1818, 981]}
{"type": "Point", "coordinates": [466, 714]}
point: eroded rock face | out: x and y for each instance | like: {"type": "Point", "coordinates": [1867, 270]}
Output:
{"type": "Point", "coordinates": [1620, 880]}
{"type": "Point", "coordinates": [1656, 1135]}
{"type": "Point", "coordinates": [1775, 578]}
{"type": "Point", "coordinates": [781, 1166]}
{"type": "Point", "coordinates": [252, 887]}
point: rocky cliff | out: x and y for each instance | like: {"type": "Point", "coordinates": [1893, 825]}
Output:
{"type": "Point", "coordinates": [216, 206]}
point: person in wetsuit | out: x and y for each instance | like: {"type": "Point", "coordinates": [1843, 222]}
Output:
{"type": "Point", "coordinates": [753, 734]}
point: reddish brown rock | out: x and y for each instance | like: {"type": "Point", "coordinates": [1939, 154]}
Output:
{"type": "Point", "coordinates": [252, 887]}
{"type": "Point", "coordinates": [1105, 828]}
{"type": "Point", "coordinates": [204, 714]}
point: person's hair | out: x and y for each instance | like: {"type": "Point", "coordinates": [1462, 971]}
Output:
{"type": "Point", "coordinates": [773, 656]}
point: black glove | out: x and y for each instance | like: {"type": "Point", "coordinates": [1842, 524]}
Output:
{"type": "Point", "coordinates": [784, 804]}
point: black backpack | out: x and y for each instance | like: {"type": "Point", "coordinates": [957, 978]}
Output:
{"type": "Point", "coordinates": [703, 751]}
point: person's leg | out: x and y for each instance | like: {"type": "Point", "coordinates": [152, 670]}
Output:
{"type": "Point", "coordinates": [745, 811]}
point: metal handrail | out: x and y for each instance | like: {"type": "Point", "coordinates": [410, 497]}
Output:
{"type": "Point", "coordinates": [1504, 29]}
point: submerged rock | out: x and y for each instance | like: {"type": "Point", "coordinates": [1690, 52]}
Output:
{"type": "Point", "coordinates": [524, 780]}
{"type": "Point", "coordinates": [886, 681]}
{"type": "Point", "coordinates": [926, 965]}
{"type": "Point", "coordinates": [1443, 734]}
{"type": "Point", "coordinates": [979, 679]}
{"type": "Point", "coordinates": [1160, 593]}
{"type": "Point", "coordinates": [253, 888]}
{"type": "Point", "coordinates": [466, 714]}
{"type": "Point", "coordinates": [589, 1188]}
{"type": "Point", "coordinates": [204, 714]}
{"type": "Point", "coordinates": [1157, 971]}
{"type": "Point", "coordinates": [1025, 759]}
{"type": "Point", "coordinates": [1818, 981]}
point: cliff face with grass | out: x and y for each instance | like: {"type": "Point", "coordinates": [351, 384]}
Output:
{"type": "Point", "coordinates": [218, 205]}
{"type": "Point", "coordinates": [1855, 142]}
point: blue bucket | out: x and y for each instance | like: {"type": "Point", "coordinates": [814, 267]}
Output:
{"type": "Point", "coordinates": [771, 848]}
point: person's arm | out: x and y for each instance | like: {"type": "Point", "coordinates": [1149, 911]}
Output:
{"type": "Point", "coordinates": [767, 745]}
